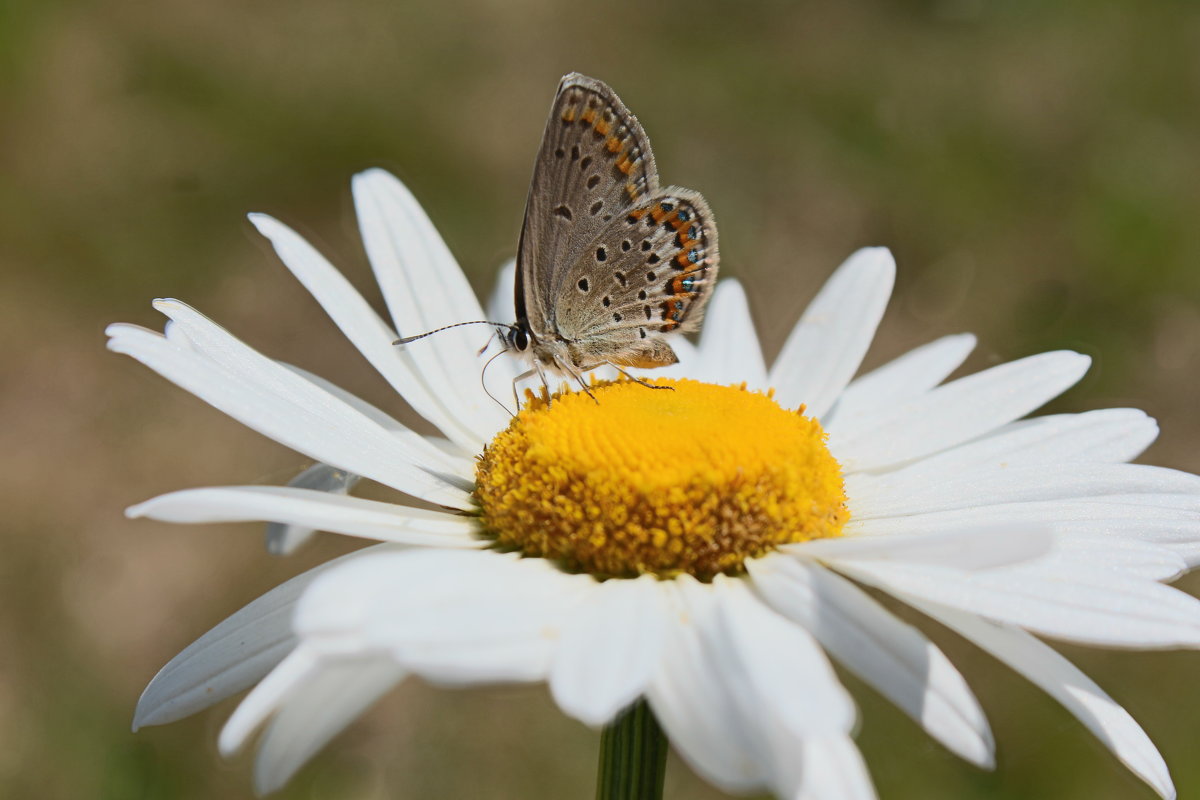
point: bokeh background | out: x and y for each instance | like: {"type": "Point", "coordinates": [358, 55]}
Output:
{"type": "Point", "coordinates": [1034, 166]}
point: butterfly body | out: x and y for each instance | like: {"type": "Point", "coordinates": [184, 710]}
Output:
{"type": "Point", "coordinates": [609, 263]}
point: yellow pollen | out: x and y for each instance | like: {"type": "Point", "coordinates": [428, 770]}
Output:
{"type": "Point", "coordinates": [694, 480]}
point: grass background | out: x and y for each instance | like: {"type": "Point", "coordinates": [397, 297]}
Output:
{"type": "Point", "coordinates": [1034, 167]}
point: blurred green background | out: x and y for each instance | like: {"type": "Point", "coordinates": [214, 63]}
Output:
{"type": "Point", "coordinates": [1034, 166]}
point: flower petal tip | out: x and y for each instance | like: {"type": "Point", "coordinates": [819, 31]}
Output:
{"type": "Point", "coordinates": [374, 173]}
{"type": "Point", "coordinates": [373, 180]}
{"type": "Point", "coordinates": [986, 758]}
{"type": "Point", "coordinates": [964, 338]}
{"type": "Point", "coordinates": [262, 221]}
{"type": "Point", "coordinates": [114, 329]}
{"type": "Point", "coordinates": [235, 733]}
{"type": "Point", "coordinates": [168, 305]}
{"type": "Point", "coordinates": [878, 258]}
{"type": "Point", "coordinates": [147, 714]}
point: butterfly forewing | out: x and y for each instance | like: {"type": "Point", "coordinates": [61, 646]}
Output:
{"type": "Point", "coordinates": [594, 164]}
{"type": "Point", "coordinates": [649, 272]}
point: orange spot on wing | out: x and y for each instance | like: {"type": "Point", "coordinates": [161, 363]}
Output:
{"type": "Point", "coordinates": [589, 116]}
{"type": "Point", "coordinates": [603, 127]}
{"type": "Point", "coordinates": [569, 114]}
{"type": "Point", "coordinates": [625, 165]}
{"type": "Point", "coordinates": [613, 144]}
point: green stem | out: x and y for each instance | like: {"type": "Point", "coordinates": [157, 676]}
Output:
{"type": "Point", "coordinates": [633, 756]}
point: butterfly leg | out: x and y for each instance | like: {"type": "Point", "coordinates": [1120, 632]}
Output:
{"type": "Point", "coordinates": [638, 380]}
{"type": "Point", "coordinates": [488, 343]}
{"type": "Point", "coordinates": [535, 370]}
{"type": "Point", "coordinates": [579, 379]}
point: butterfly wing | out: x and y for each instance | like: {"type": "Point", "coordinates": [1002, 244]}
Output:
{"type": "Point", "coordinates": [647, 273]}
{"type": "Point", "coordinates": [594, 164]}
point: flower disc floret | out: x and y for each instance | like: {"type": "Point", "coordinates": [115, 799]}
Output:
{"type": "Point", "coordinates": [694, 479]}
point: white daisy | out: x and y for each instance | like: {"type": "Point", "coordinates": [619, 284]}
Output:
{"type": "Point", "coordinates": [752, 528]}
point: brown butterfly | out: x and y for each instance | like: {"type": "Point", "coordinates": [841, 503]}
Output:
{"type": "Point", "coordinates": [609, 264]}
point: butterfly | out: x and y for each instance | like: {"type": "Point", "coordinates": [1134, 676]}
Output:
{"type": "Point", "coordinates": [609, 264]}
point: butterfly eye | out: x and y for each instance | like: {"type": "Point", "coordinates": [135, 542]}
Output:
{"type": "Point", "coordinates": [519, 339]}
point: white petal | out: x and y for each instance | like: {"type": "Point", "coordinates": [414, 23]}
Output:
{"type": "Point", "coordinates": [898, 494]}
{"type": "Point", "coordinates": [689, 359]}
{"type": "Point", "coordinates": [284, 538]}
{"type": "Point", "coordinates": [281, 405]}
{"type": "Point", "coordinates": [1122, 537]}
{"type": "Point", "coordinates": [871, 642]}
{"type": "Point", "coordinates": [904, 378]}
{"type": "Point", "coordinates": [1093, 547]}
{"type": "Point", "coordinates": [265, 699]}
{"type": "Point", "coordinates": [1066, 684]}
{"type": "Point", "coordinates": [193, 331]}
{"type": "Point", "coordinates": [1106, 436]}
{"type": "Point", "coordinates": [333, 697]}
{"type": "Point", "coordinates": [1113, 513]}
{"type": "Point", "coordinates": [1084, 605]}
{"type": "Point", "coordinates": [833, 769]}
{"type": "Point", "coordinates": [959, 411]}
{"type": "Point", "coordinates": [441, 452]}
{"type": "Point", "coordinates": [352, 516]}
{"type": "Point", "coordinates": [729, 351]}
{"type": "Point", "coordinates": [1188, 551]}
{"type": "Point", "coordinates": [453, 617]}
{"type": "Point", "coordinates": [424, 289]}
{"type": "Point", "coordinates": [501, 307]}
{"type": "Point", "coordinates": [366, 331]}
{"type": "Point", "coordinates": [826, 347]}
{"type": "Point", "coordinates": [1140, 541]}
{"type": "Point", "coordinates": [779, 664]}
{"type": "Point", "coordinates": [1160, 501]}
{"type": "Point", "coordinates": [609, 649]}
{"type": "Point", "coordinates": [980, 548]}
{"type": "Point", "coordinates": [694, 703]}
{"type": "Point", "coordinates": [231, 657]}
{"type": "Point", "coordinates": [782, 685]}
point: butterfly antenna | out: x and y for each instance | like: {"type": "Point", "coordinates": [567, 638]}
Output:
{"type": "Point", "coordinates": [483, 383]}
{"type": "Point", "coordinates": [406, 339]}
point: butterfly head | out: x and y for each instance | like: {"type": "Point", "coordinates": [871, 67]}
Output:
{"type": "Point", "coordinates": [517, 337]}
{"type": "Point", "coordinates": [547, 351]}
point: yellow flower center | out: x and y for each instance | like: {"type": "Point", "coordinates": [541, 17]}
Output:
{"type": "Point", "coordinates": [693, 480]}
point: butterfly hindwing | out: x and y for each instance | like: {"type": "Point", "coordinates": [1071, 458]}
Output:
{"type": "Point", "coordinates": [647, 273]}
{"type": "Point", "coordinates": [594, 164]}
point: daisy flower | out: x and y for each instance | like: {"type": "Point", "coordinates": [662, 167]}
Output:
{"type": "Point", "coordinates": [704, 549]}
